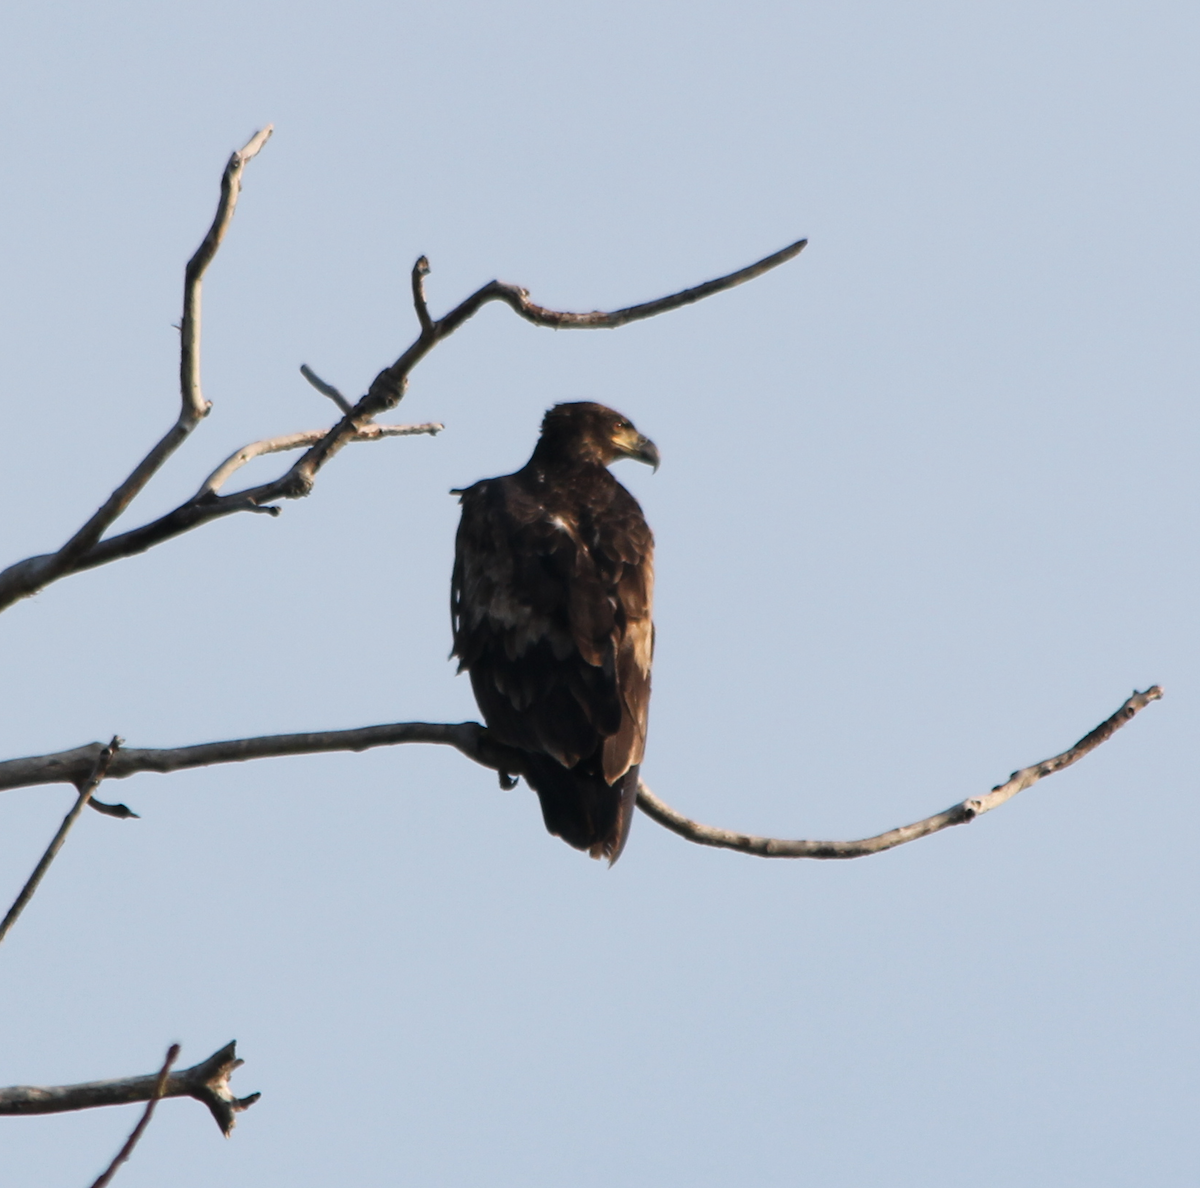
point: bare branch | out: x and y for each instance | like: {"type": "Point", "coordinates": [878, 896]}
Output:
{"type": "Point", "coordinates": [207, 1082]}
{"type": "Point", "coordinates": [419, 273]}
{"type": "Point", "coordinates": [296, 441]}
{"type": "Point", "coordinates": [388, 387]}
{"type": "Point", "coordinates": [121, 811]}
{"type": "Point", "coordinates": [518, 299]}
{"type": "Point", "coordinates": [194, 404]}
{"type": "Point", "coordinates": [86, 550]}
{"type": "Point", "coordinates": [123, 1154]}
{"type": "Point", "coordinates": [960, 814]}
{"type": "Point", "coordinates": [468, 737]}
{"type": "Point", "coordinates": [324, 388]}
{"type": "Point", "coordinates": [475, 742]}
{"type": "Point", "coordinates": [86, 787]}
{"type": "Point", "coordinates": [27, 577]}
{"type": "Point", "coordinates": [206, 505]}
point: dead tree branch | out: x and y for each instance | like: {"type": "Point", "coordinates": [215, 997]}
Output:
{"type": "Point", "coordinates": [960, 814]}
{"type": "Point", "coordinates": [206, 1082]}
{"type": "Point", "coordinates": [123, 1154]}
{"type": "Point", "coordinates": [324, 388]}
{"type": "Point", "coordinates": [473, 741]}
{"type": "Point", "coordinates": [34, 573]}
{"type": "Point", "coordinates": [86, 786]}
{"type": "Point", "coordinates": [386, 391]}
{"type": "Point", "coordinates": [297, 441]}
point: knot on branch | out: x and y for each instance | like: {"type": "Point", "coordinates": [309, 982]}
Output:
{"type": "Point", "coordinates": [384, 394]}
{"type": "Point", "coordinates": [296, 484]}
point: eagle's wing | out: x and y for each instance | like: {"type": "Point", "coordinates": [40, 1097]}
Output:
{"type": "Point", "coordinates": [552, 618]}
{"type": "Point", "coordinates": [628, 546]}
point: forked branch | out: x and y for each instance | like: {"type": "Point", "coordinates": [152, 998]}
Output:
{"type": "Point", "coordinates": [473, 741]}
{"type": "Point", "coordinates": [86, 550]}
{"type": "Point", "coordinates": [207, 1082]}
{"type": "Point", "coordinates": [387, 390]}
{"type": "Point", "coordinates": [86, 785]}
{"type": "Point", "coordinates": [34, 573]}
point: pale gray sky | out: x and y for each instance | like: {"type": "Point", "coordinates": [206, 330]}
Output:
{"type": "Point", "coordinates": [927, 513]}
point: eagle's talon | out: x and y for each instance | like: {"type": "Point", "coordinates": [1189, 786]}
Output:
{"type": "Point", "coordinates": [507, 782]}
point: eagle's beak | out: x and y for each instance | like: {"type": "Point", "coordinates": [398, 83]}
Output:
{"type": "Point", "coordinates": [644, 450]}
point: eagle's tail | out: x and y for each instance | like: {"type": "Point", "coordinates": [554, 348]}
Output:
{"type": "Point", "coordinates": [581, 806]}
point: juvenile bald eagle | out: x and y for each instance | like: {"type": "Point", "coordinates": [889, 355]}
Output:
{"type": "Point", "coordinates": [550, 600]}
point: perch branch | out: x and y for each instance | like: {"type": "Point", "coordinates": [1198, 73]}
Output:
{"type": "Point", "coordinates": [206, 1082]}
{"type": "Point", "coordinates": [86, 786]}
{"type": "Point", "coordinates": [473, 741]}
{"type": "Point", "coordinates": [28, 576]}
{"type": "Point", "coordinates": [960, 814]}
{"type": "Point", "coordinates": [160, 1083]}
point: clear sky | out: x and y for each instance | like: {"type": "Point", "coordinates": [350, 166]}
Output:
{"type": "Point", "coordinates": [927, 513]}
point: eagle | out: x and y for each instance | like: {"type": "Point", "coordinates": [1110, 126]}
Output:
{"type": "Point", "coordinates": [551, 606]}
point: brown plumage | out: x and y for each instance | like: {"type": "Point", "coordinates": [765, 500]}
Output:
{"type": "Point", "coordinates": [551, 601]}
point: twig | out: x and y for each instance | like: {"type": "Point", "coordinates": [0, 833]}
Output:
{"type": "Point", "coordinates": [86, 788]}
{"type": "Point", "coordinates": [121, 811]}
{"type": "Point", "coordinates": [473, 741]}
{"type": "Point", "coordinates": [324, 388]}
{"type": "Point", "coordinates": [419, 273]}
{"type": "Point", "coordinates": [960, 814]}
{"type": "Point", "coordinates": [123, 1154]}
{"type": "Point", "coordinates": [28, 576]}
{"type": "Point", "coordinates": [207, 1082]}
{"type": "Point", "coordinates": [296, 441]}
{"type": "Point", "coordinates": [189, 359]}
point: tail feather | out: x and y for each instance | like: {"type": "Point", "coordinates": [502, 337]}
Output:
{"type": "Point", "coordinates": [581, 807]}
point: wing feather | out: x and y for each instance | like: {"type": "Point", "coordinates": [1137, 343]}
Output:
{"type": "Point", "coordinates": [551, 602]}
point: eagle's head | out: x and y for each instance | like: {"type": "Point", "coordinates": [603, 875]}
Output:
{"type": "Point", "coordinates": [585, 432]}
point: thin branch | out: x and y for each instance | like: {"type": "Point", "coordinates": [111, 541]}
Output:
{"type": "Point", "coordinates": [86, 788]}
{"type": "Point", "coordinates": [297, 441]}
{"type": "Point", "coordinates": [194, 403]}
{"type": "Point", "coordinates": [387, 389]}
{"type": "Point", "coordinates": [121, 811]}
{"type": "Point", "coordinates": [960, 814]}
{"type": "Point", "coordinates": [324, 388]}
{"type": "Point", "coordinates": [419, 273]}
{"type": "Point", "coordinates": [207, 1082]}
{"type": "Point", "coordinates": [206, 505]}
{"type": "Point", "coordinates": [123, 1154]}
{"type": "Point", "coordinates": [518, 299]}
{"type": "Point", "coordinates": [473, 741]}
{"type": "Point", "coordinates": [28, 576]}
